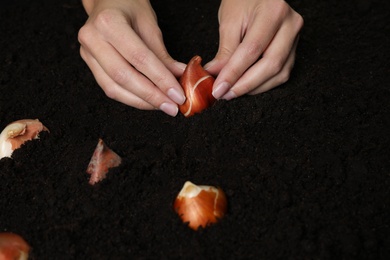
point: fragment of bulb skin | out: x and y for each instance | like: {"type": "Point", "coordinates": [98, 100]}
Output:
{"type": "Point", "coordinates": [102, 160]}
{"type": "Point", "coordinates": [17, 133]}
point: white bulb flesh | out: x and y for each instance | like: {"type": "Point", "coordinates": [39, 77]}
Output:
{"type": "Point", "coordinates": [191, 190]}
{"type": "Point", "coordinates": [18, 132]}
{"type": "Point", "coordinates": [10, 131]}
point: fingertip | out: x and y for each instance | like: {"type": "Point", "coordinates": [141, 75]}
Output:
{"type": "Point", "coordinates": [176, 68]}
{"type": "Point", "coordinates": [210, 64]}
{"type": "Point", "coordinates": [169, 109]}
{"type": "Point", "coordinates": [221, 89]}
{"type": "Point", "coordinates": [214, 67]}
{"type": "Point", "coordinates": [180, 65]}
{"type": "Point", "coordinates": [176, 95]}
{"type": "Point", "coordinates": [229, 95]}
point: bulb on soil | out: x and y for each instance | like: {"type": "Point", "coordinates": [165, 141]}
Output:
{"type": "Point", "coordinates": [197, 84]}
{"type": "Point", "coordinates": [17, 133]}
{"type": "Point", "coordinates": [200, 206]}
{"type": "Point", "coordinates": [13, 247]}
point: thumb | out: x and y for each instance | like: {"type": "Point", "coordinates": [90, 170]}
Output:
{"type": "Point", "coordinates": [228, 43]}
{"type": "Point", "coordinates": [215, 65]}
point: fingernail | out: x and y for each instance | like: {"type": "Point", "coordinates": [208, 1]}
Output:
{"type": "Point", "coordinates": [209, 65]}
{"type": "Point", "coordinates": [169, 109]}
{"type": "Point", "coordinates": [221, 89]}
{"type": "Point", "coordinates": [180, 65]}
{"type": "Point", "coordinates": [230, 95]}
{"type": "Point", "coordinates": [176, 96]}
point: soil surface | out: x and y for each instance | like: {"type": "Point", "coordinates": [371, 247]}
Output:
{"type": "Point", "coordinates": [305, 167]}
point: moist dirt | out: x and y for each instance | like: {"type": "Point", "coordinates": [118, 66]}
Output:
{"type": "Point", "coordinates": [305, 167]}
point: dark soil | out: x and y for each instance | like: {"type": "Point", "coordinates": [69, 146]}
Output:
{"type": "Point", "coordinates": [305, 167]}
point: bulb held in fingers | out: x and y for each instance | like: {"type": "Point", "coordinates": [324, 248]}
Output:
{"type": "Point", "coordinates": [13, 247]}
{"type": "Point", "coordinates": [17, 133]}
{"type": "Point", "coordinates": [102, 160]}
{"type": "Point", "coordinates": [200, 206]}
{"type": "Point", "coordinates": [197, 84]}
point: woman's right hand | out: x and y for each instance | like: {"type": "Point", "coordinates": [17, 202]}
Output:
{"type": "Point", "coordinates": [123, 46]}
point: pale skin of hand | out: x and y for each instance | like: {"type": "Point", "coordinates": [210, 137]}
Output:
{"type": "Point", "coordinates": [258, 40]}
{"type": "Point", "coordinates": [123, 46]}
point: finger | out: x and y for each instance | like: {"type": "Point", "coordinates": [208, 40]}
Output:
{"type": "Point", "coordinates": [281, 77]}
{"type": "Point", "coordinates": [133, 49]}
{"type": "Point", "coordinates": [256, 40]}
{"type": "Point", "coordinates": [230, 38]}
{"type": "Point", "coordinates": [152, 36]}
{"type": "Point", "coordinates": [110, 87]}
{"type": "Point", "coordinates": [126, 76]}
{"type": "Point", "coordinates": [272, 62]}
{"type": "Point", "coordinates": [254, 82]}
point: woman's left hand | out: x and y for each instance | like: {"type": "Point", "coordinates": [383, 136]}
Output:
{"type": "Point", "coordinates": [258, 39]}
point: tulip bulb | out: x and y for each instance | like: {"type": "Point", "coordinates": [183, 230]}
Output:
{"type": "Point", "coordinates": [102, 160]}
{"type": "Point", "coordinates": [197, 84]}
{"type": "Point", "coordinates": [13, 247]}
{"type": "Point", "coordinates": [17, 133]}
{"type": "Point", "coordinates": [200, 206]}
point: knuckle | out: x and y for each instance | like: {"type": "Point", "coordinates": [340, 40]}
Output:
{"type": "Point", "coordinates": [148, 30]}
{"type": "Point", "coordinates": [284, 76]}
{"type": "Point", "coordinates": [119, 76]}
{"type": "Point", "coordinates": [235, 72]}
{"type": "Point", "coordinates": [164, 56]}
{"type": "Point", "coordinates": [253, 49]}
{"type": "Point", "coordinates": [247, 88]}
{"type": "Point", "coordinates": [106, 18]}
{"type": "Point", "coordinates": [138, 58]}
{"type": "Point", "coordinates": [84, 35]}
{"type": "Point", "coordinates": [275, 65]}
{"type": "Point", "coordinates": [156, 32]}
{"type": "Point", "coordinates": [224, 52]}
{"type": "Point", "coordinates": [109, 92]}
{"type": "Point", "coordinates": [150, 97]}
{"type": "Point", "coordinates": [281, 9]}
{"type": "Point", "coordinates": [160, 81]}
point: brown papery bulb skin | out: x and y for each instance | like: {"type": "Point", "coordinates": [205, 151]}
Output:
{"type": "Point", "coordinates": [13, 247]}
{"type": "Point", "coordinates": [197, 84]}
{"type": "Point", "coordinates": [200, 206]}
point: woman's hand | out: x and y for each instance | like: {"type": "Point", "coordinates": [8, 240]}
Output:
{"type": "Point", "coordinates": [123, 46]}
{"type": "Point", "coordinates": [258, 39]}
